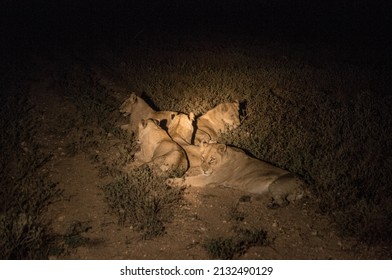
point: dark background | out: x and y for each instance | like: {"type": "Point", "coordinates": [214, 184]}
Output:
{"type": "Point", "coordinates": [42, 22]}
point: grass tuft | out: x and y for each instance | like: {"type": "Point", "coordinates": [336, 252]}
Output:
{"type": "Point", "coordinates": [227, 248]}
{"type": "Point", "coordinates": [25, 192]}
{"type": "Point", "coordinates": [142, 199]}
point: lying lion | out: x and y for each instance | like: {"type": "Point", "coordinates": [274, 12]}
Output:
{"type": "Point", "coordinates": [231, 167]}
{"type": "Point", "coordinates": [220, 119]}
{"type": "Point", "coordinates": [137, 109]}
{"type": "Point", "coordinates": [158, 150]}
{"type": "Point", "coordinates": [181, 128]}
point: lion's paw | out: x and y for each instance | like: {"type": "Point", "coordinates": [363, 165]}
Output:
{"type": "Point", "coordinates": [175, 182]}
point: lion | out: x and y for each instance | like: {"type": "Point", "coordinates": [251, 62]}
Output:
{"type": "Point", "coordinates": [181, 128]}
{"type": "Point", "coordinates": [232, 167]}
{"type": "Point", "coordinates": [158, 150]}
{"type": "Point", "coordinates": [222, 118]}
{"type": "Point", "coordinates": [137, 109]}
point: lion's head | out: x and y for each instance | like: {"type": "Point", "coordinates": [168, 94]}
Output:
{"type": "Point", "coordinates": [150, 129]}
{"type": "Point", "coordinates": [127, 107]}
{"type": "Point", "coordinates": [211, 157]}
{"type": "Point", "coordinates": [222, 118]}
{"type": "Point", "coordinates": [181, 127]}
{"type": "Point", "coordinates": [229, 113]}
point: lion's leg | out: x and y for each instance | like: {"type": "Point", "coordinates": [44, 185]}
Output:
{"type": "Point", "coordinates": [175, 182]}
{"type": "Point", "coordinates": [194, 181]}
{"type": "Point", "coordinates": [175, 161]}
{"type": "Point", "coordinates": [193, 171]}
{"type": "Point", "coordinates": [286, 189]}
{"type": "Point", "coordinates": [126, 127]}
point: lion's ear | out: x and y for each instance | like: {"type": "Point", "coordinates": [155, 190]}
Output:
{"type": "Point", "coordinates": [124, 105]}
{"type": "Point", "coordinates": [237, 104]}
{"type": "Point", "coordinates": [133, 98]}
{"type": "Point", "coordinates": [191, 116]}
{"type": "Point", "coordinates": [222, 148]}
{"type": "Point", "coordinates": [143, 123]}
{"type": "Point", "coordinates": [204, 144]}
{"type": "Point", "coordinates": [172, 116]}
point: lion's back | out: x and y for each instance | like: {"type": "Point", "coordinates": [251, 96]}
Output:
{"type": "Point", "coordinates": [169, 156]}
{"type": "Point", "coordinates": [220, 119]}
{"type": "Point", "coordinates": [238, 170]}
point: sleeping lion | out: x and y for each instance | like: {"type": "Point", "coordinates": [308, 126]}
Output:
{"type": "Point", "coordinates": [220, 119]}
{"type": "Point", "coordinates": [181, 131]}
{"type": "Point", "coordinates": [231, 167]}
{"type": "Point", "coordinates": [137, 109]}
{"type": "Point", "coordinates": [158, 150]}
{"type": "Point", "coordinates": [181, 128]}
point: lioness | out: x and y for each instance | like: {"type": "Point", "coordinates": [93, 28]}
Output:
{"type": "Point", "coordinates": [220, 119]}
{"type": "Point", "coordinates": [158, 149]}
{"type": "Point", "coordinates": [231, 167]}
{"type": "Point", "coordinates": [181, 128]}
{"type": "Point", "coordinates": [138, 109]}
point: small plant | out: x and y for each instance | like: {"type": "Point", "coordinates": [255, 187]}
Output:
{"type": "Point", "coordinates": [93, 101]}
{"type": "Point", "coordinates": [144, 200]}
{"type": "Point", "coordinates": [237, 245]}
{"type": "Point", "coordinates": [73, 237]}
{"type": "Point", "coordinates": [235, 214]}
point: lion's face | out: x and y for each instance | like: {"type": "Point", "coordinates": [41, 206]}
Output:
{"type": "Point", "coordinates": [211, 157]}
{"type": "Point", "coordinates": [149, 128]}
{"type": "Point", "coordinates": [127, 107]}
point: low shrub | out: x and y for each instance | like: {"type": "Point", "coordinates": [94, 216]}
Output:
{"type": "Point", "coordinates": [142, 199]}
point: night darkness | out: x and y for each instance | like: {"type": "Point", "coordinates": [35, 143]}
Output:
{"type": "Point", "coordinates": [314, 82]}
{"type": "Point", "coordinates": [35, 22]}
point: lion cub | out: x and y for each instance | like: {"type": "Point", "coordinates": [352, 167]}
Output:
{"type": "Point", "coordinates": [222, 118]}
{"type": "Point", "coordinates": [231, 167]}
{"type": "Point", "coordinates": [158, 149]}
{"type": "Point", "coordinates": [137, 109]}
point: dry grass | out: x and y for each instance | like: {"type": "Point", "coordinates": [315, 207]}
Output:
{"type": "Point", "coordinates": [227, 248]}
{"type": "Point", "coordinates": [143, 200]}
{"type": "Point", "coordinates": [25, 192]}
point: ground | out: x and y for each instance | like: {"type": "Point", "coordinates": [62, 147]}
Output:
{"type": "Point", "coordinates": [297, 231]}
